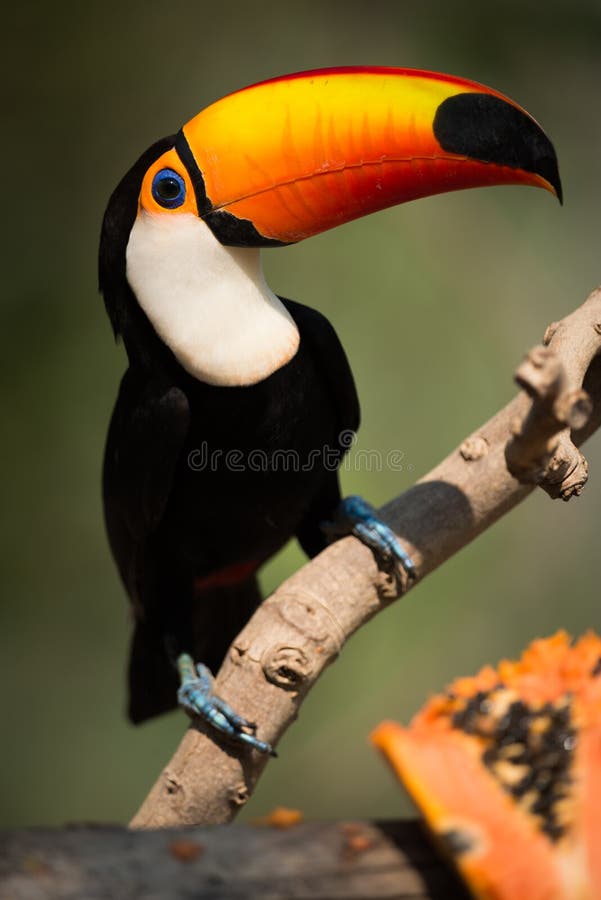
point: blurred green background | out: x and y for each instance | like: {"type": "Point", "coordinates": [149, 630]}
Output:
{"type": "Point", "coordinates": [435, 302]}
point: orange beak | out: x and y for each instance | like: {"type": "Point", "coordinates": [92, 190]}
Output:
{"type": "Point", "coordinates": [287, 158]}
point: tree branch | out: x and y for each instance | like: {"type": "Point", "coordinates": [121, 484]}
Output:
{"type": "Point", "coordinates": [302, 627]}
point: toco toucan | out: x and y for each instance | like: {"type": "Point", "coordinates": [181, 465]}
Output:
{"type": "Point", "coordinates": [237, 405]}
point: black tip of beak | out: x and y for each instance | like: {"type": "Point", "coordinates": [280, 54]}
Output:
{"type": "Point", "coordinates": [489, 129]}
{"type": "Point", "coordinates": [557, 186]}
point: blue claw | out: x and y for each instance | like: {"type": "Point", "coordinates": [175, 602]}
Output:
{"type": "Point", "coordinates": [361, 519]}
{"type": "Point", "coordinates": [196, 697]}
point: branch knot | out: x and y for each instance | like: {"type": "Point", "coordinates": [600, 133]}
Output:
{"type": "Point", "coordinates": [287, 667]}
{"type": "Point", "coordinates": [541, 450]}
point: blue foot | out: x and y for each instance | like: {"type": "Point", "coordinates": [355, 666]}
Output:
{"type": "Point", "coordinates": [356, 516]}
{"type": "Point", "coordinates": [196, 697]}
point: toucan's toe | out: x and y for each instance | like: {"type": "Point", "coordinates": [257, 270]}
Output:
{"type": "Point", "coordinates": [358, 517]}
{"type": "Point", "coordinates": [196, 697]}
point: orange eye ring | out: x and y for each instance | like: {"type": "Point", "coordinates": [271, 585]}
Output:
{"type": "Point", "coordinates": [167, 187]}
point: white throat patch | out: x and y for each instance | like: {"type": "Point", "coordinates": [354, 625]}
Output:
{"type": "Point", "coordinates": [210, 304]}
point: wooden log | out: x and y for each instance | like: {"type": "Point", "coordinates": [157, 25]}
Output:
{"type": "Point", "coordinates": [314, 861]}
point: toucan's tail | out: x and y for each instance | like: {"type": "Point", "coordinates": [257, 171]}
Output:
{"type": "Point", "coordinates": [152, 676]}
{"type": "Point", "coordinates": [218, 615]}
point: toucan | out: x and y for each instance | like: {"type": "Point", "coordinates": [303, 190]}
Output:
{"type": "Point", "coordinates": [235, 410]}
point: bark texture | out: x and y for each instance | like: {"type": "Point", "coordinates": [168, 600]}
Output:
{"type": "Point", "coordinates": [346, 860]}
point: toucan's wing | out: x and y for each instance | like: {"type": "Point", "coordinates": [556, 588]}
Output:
{"type": "Point", "coordinates": [320, 336]}
{"type": "Point", "coordinates": [329, 354]}
{"type": "Point", "coordinates": [147, 431]}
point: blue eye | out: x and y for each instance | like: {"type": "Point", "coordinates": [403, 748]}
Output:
{"type": "Point", "coordinates": [168, 189]}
